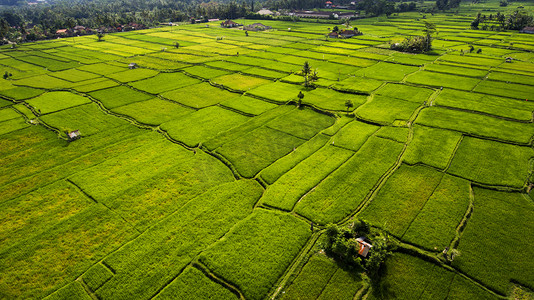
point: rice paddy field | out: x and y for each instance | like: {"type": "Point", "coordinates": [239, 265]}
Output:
{"type": "Point", "coordinates": [198, 175]}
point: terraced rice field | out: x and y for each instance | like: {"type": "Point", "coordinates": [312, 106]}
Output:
{"type": "Point", "coordinates": [198, 176]}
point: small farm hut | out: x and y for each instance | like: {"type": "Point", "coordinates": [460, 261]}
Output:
{"type": "Point", "coordinates": [364, 246]}
{"type": "Point", "coordinates": [229, 24]}
{"type": "Point", "coordinates": [74, 135]}
{"type": "Point", "coordinates": [508, 59]}
{"type": "Point", "coordinates": [132, 66]}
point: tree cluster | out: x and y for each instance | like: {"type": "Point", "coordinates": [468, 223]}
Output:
{"type": "Point", "coordinates": [515, 21]}
{"type": "Point", "coordinates": [417, 44]}
{"type": "Point", "coordinates": [447, 4]}
{"type": "Point", "coordinates": [341, 244]}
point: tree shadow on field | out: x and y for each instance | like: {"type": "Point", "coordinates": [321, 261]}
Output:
{"type": "Point", "coordinates": [380, 288]}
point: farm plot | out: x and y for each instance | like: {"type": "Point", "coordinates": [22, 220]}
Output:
{"type": "Point", "coordinates": [354, 135]}
{"type": "Point", "coordinates": [498, 106]}
{"type": "Point", "coordinates": [500, 221]}
{"type": "Point", "coordinates": [302, 123]}
{"type": "Point", "coordinates": [432, 146]}
{"type": "Point", "coordinates": [199, 95]}
{"type": "Point", "coordinates": [504, 89]}
{"type": "Point", "coordinates": [74, 75]}
{"type": "Point", "coordinates": [340, 193]}
{"type": "Point", "coordinates": [88, 118]}
{"type": "Point", "coordinates": [492, 163]}
{"type": "Point", "coordinates": [408, 277]}
{"type": "Point", "coordinates": [21, 93]}
{"type": "Point", "coordinates": [248, 105]}
{"type": "Point", "coordinates": [239, 82]}
{"type": "Point", "coordinates": [435, 225]}
{"type": "Point", "coordinates": [343, 285]}
{"type": "Point", "coordinates": [256, 252]}
{"type": "Point", "coordinates": [294, 184]}
{"type": "Point", "coordinates": [94, 85]}
{"type": "Point", "coordinates": [73, 290]}
{"type": "Point", "coordinates": [509, 77]}
{"type": "Point", "coordinates": [332, 100]}
{"type": "Point", "coordinates": [154, 111]}
{"type": "Point", "coordinates": [476, 124]}
{"type": "Point", "coordinates": [456, 70]}
{"type": "Point", "coordinates": [50, 257]}
{"type": "Point", "coordinates": [56, 101]}
{"type": "Point", "coordinates": [471, 60]}
{"type": "Point", "coordinates": [119, 96]}
{"type": "Point", "coordinates": [205, 72]}
{"type": "Point", "coordinates": [397, 134]}
{"type": "Point", "coordinates": [256, 150]}
{"type": "Point", "coordinates": [147, 264]}
{"type": "Point", "coordinates": [427, 78]}
{"type": "Point", "coordinates": [103, 68]}
{"type": "Point", "coordinates": [278, 91]}
{"type": "Point", "coordinates": [358, 85]}
{"type": "Point", "coordinates": [286, 163]}
{"type": "Point", "coordinates": [387, 71]}
{"type": "Point", "coordinates": [8, 114]}
{"type": "Point", "coordinates": [164, 82]}
{"type": "Point", "coordinates": [43, 82]}
{"type": "Point", "coordinates": [386, 110]}
{"type": "Point", "coordinates": [202, 125]}
{"type": "Point", "coordinates": [193, 284]}
{"type": "Point", "coordinates": [313, 278]}
{"type": "Point", "coordinates": [132, 75]}
{"type": "Point", "coordinates": [405, 92]}
{"type": "Point", "coordinates": [401, 198]}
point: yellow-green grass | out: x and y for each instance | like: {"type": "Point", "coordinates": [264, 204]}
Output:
{"type": "Point", "coordinates": [153, 111]}
{"type": "Point", "coordinates": [456, 70]}
{"type": "Point", "coordinates": [193, 284]}
{"type": "Point", "coordinates": [257, 251]}
{"type": "Point", "coordinates": [408, 277]}
{"type": "Point", "coordinates": [500, 222]}
{"type": "Point", "coordinates": [435, 226]}
{"type": "Point", "coordinates": [354, 135]}
{"type": "Point", "coordinates": [432, 146]}
{"type": "Point", "coordinates": [492, 163]}
{"type": "Point", "coordinates": [24, 110]}
{"type": "Point", "coordinates": [354, 61]}
{"type": "Point", "coordinates": [88, 118]}
{"type": "Point", "coordinates": [494, 105]}
{"type": "Point", "coordinates": [504, 89]}
{"type": "Point", "coordinates": [164, 82]}
{"type": "Point", "coordinates": [154, 199]}
{"type": "Point", "coordinates": [332, 100]}
{"type": "Point", "coordinates": [74, 75]}
{"type": "Point", "coordinates": [303, 123]}
{"type": "Point", "coordinates": [256, 150]}
{"type": "Point", "coordinates": [343, 285]}
{"type": "Point", "coordinates": [199, 95]}
{"type": "Point", "coordinates": [401, 198]}
{"type": "Point", "coordinates": [132, 75]}
{"type": "Point", "coordinates": [386, 110]}
{"type": "Point", "coordinates": [205, 72]}
{"type": "Point", "coordinates": [159, 255]}
{"type": "Point", "coordinates": [119, 96]}
{"type": "Point", "coordinates": [405, 92]}
{"type": "Point", "coordinates": [248, 105]}
{"type": "Point", "coordinates": [290, 187]}
{"type": "Point", "coordinates": [277, 91]}
{"type": "Point", "coordinates": [339, 194]}
{"type": "Point", "coordinates": [62, 252]}
{"type": "Point", "coordinates": [387, 71]}
{"type": "Point", "coordinates": [312, 279]}
{"type": "Point", "coordinates": [227, 66]}
{"type": "Point", "coordinates": [73, 290]}
{"type": "Point", "coordinates": [476, 124]}
{"type": "Point", "coordinates": [203, 125]}
{"type": "Point", "coordinates": [94, 85]}
{"type": "Point", "coordinates": [56, 101]}
{"type": "Point", "coordinates": [472, 59]}
{"type": "Point", "coordinates": [21, 93]}
{"type": "Point", "coordinates": [96, 276]}
{"type": "Point", "coordinates": [156, 63]}
{"type": "Point", "coordinates": [398, 134]}
{"type": "Point", "coordinates": [239, 82]}
{"type": "Point", "coordinates": [427, 78]}
{"type": "Point", "coordinates": [42, 81]}
{"type": "Point", "coordinates": [103, 68]}
{"type": "Point", "coordinates": [8, 114]}
{"type": "Point", "coordinates": [286, 163]}
{"type": "Point", "coordinates": [358, 85]}
{"type": "Point", "coordinates": [45, 62]}
{"type": "Point", "coordinates": [4, 103]}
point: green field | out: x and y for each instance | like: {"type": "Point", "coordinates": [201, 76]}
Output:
{"type": "Point", "coordinates": [211, 171]}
